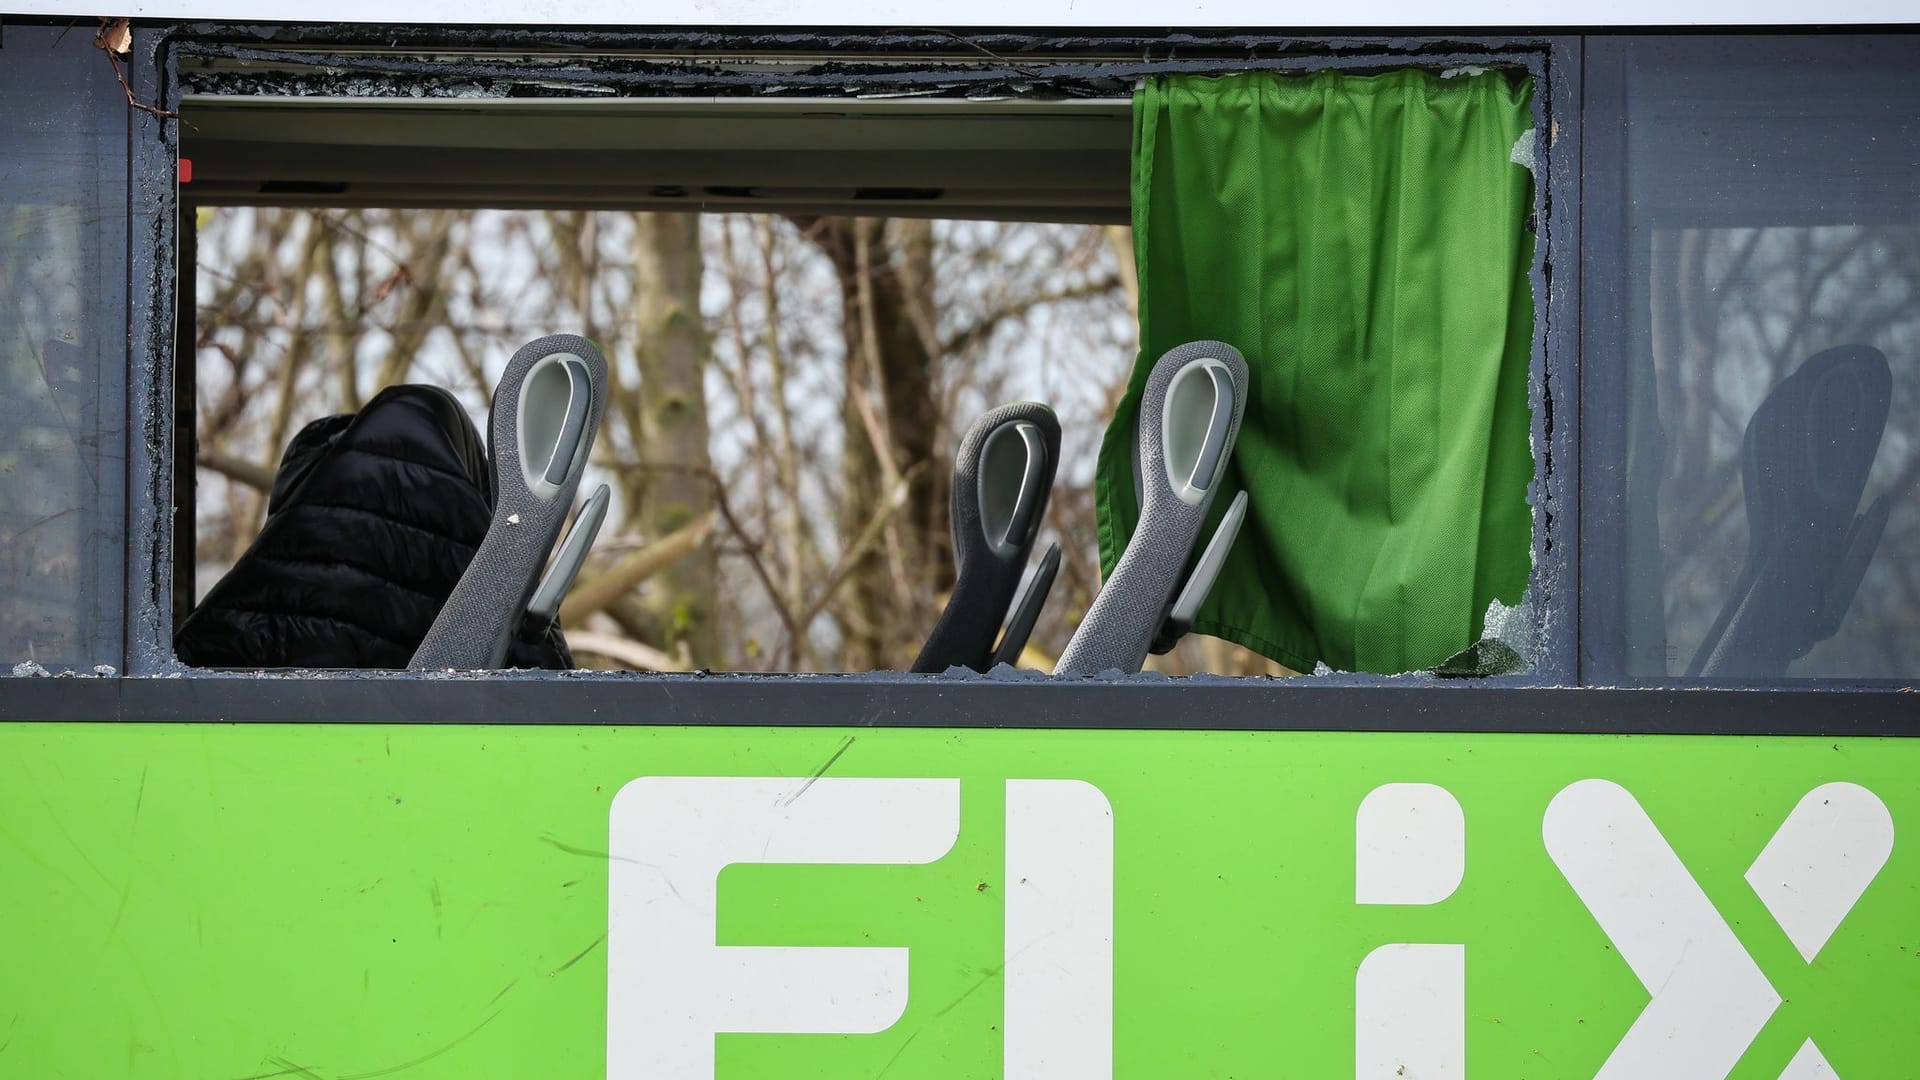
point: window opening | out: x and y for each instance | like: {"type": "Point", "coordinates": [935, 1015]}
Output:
{"type": "Point", "coordinates": [346, 243]}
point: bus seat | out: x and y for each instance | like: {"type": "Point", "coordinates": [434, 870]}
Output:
{"type": "Point", "coordinates": [1190, 415]}
{"type": "Point", "coordinates": [545, 414]}
{"type": "Point", "coordinates": [1002, 479]}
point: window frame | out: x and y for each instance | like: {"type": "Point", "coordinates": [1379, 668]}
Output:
{"type": "Point", "coordinates": [1575, 312]}
{"type": "Point", "coordinates": [1552, 61]}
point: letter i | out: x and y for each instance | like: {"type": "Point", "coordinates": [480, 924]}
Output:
{"type": "Point", "coordinates": [1410, 1000]}
{"type": "Point", "coordinates": [1059, 932]}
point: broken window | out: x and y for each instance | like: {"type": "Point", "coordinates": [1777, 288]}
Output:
{"type": "Point", "coordinates": [806, 287]}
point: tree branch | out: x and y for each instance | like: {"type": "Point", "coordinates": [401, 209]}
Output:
{"type": "Point", "coordinates": [890, 505]}
{"type": "Point", "coordinates": [591, 596]}
{"type": "Point", "coordinates": [258, 477]}
{"type": "Point", "coordinates": [631, 653]}
{"type": "Point", "coordinates": [983, 328]}
{"type": "Point", "coordinates": [751, 547]}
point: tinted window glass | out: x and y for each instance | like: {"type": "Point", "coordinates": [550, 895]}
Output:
{"type": "Point", "coordinates": [1772, 357]}
{"type": "Point", "coordinates": [63, 349]}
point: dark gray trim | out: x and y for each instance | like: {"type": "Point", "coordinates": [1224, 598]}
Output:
{"type": "Point", "coordinates": [1012, 44]}
{"type": "Point", "coordinates": [1554, 387]}
{"type": "Point", "coordinates": [1603, 368]}
{"type": "Point", "coordinates": [1214, 704]}
{"type": "Point", "coordinates": [953, 66]}
{"type": "Point", "coordinates": [153, 196]}
{"type": "Point", "coordinates": [186, 449]}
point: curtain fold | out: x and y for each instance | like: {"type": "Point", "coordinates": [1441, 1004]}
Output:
{"type": "Point", "coordinates": [1363, 241]}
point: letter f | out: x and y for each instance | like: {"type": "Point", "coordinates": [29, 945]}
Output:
{"type": "Point", "coordinates": [670, 988]}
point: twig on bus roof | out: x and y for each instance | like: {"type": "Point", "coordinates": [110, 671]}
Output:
{"type": "Point", "coordinates": [115, 38]}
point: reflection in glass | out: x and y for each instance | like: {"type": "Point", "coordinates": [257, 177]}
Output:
{"type": "Point", "coordinates": [1772, 369]}
{"type": "Point", "coordinates": [1788, 393]}
{"type": "Point", "coordinates": [63, 327]}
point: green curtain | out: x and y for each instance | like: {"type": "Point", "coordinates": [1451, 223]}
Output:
{"type": "Point", "coordinates": [1363, 241]}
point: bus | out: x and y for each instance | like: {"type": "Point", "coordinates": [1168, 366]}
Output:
{"type": "Point", "coordinates": [1663, 833]}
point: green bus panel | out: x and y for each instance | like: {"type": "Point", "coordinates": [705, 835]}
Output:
{"type": "Point", "coordinates": [349, 902]}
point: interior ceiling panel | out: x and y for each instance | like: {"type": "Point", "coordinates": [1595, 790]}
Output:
{"type": "Point", "coordinates": [1009, 160]}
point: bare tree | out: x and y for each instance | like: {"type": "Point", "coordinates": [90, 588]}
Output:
{"type": "Point", "coordinates": [786, 395]}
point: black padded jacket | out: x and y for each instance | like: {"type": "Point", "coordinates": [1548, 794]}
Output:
{"type": "Point", "coordinates": [373, 518]}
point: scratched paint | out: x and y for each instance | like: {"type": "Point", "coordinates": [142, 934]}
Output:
{"type": "Point", "coordinates": [262, 904]}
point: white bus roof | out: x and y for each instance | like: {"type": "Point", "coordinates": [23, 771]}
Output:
{"type": "Point", "coordinates": [1453, 16]}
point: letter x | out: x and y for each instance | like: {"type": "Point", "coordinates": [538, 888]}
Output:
{"type": "Point", "coordinates": [1709, 999]}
